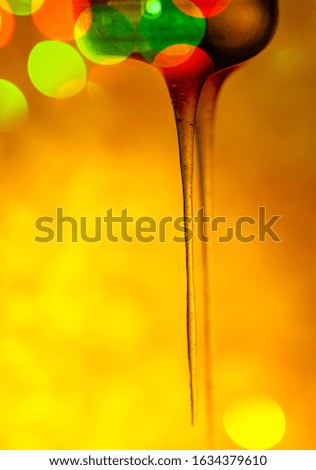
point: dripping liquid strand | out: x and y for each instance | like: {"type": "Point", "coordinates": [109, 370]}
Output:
{"type": "Point", "coordinates": [184, 98]}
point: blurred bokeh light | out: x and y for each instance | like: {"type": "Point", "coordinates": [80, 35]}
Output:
{"type": "Point", "coordinates": [93, 336]}
{"type": "Point", "coordinates": [57, 69]}
{"type": "Point", "coordinates": [13, 107]}
{"type": "Point", "coordinates": [254, 421]}
{"type": "Point", "coordinates": [21, 7]}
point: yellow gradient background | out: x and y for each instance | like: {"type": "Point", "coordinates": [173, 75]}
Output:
{"type": "Point", "coordinates": [93, 336]}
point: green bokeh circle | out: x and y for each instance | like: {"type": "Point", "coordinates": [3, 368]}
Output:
{"type": "Point", "coordinates": [56, 69]}
{"type": "Point", "coordinates": [111, 37]}
{"type": "Point", "coordinates": [13, 107]}
{"type": "Point", "coordinates": [170, 27]}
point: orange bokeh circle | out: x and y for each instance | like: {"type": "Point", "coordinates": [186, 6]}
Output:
{"type": "Point", "coordinates": [7, 23]}
{"type": "Point", "coordinates": [56, 20]}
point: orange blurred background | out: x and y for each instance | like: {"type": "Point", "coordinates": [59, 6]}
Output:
{"type": "Point", "coordinates": [93, 336]}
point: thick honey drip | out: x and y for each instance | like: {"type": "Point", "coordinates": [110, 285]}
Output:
{"type": "Point", "coordinates": [184, 87]}
{"type": "Point", "coordinates": [185, 105]}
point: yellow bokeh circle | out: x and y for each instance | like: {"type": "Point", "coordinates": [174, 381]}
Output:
{"type": "Point", "coordinates": [56, 69]}
{"type": "Point", "coordinates": [13, 107]}
{"type": "Point", "coordinates": [254, 421]}
{"type": "Point", "coordinates": [21, 7]}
